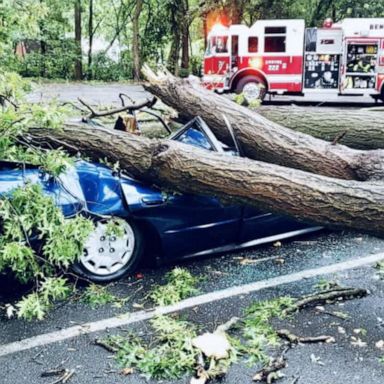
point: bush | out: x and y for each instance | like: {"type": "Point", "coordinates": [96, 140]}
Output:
{"type": "Point", "coordinates": [196, 65]}
{"type": "Point", "coordinates": [105, 69]}
{"type": "Point", "coordinates": [57, 62]}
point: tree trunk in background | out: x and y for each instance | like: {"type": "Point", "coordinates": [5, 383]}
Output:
{"type": "Point", "coordinates": [136, 40]}
{"type": "Point", "coordinates": [78, 61]}
{"type": "Point", "coordinates": [205, 30]}
{"type": "Point", "coordinates": [185, 36]}
{"type": "Point", "coordinates": [178, 18]}
{"type": "Point", "coordinates": [262, 139]}
{"type": "Point", "coordinates": [174, 54]}
{"type": "Point", "coordinates": [361, 129]}
{"type": "Point", "coordinates": [236, 11]}
{"type": "Point", "coordinates": [90, 38]}
{"type": "Point", "coordinates": [313, 198]}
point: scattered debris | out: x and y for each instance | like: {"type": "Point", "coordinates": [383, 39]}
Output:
{"type": "Point", "coordinates": [127, 371]}
{"type": "Point", "coordinates": [338, 314]}
{"type": "Point", "coordinates": [105, 345]}
{"type": "Point", "coordinates": [210, 354]}
{"type": "Point", "coordinates": [213, 345]}
{"type": "Point", "coordinates": [271, 372]}
{"type": "Point", "coordinates": [316, 360]}
{"type": "Point", "coordinates": [65, 375]}
{"type": "Point", "coordinates": [357, 342]}
{"type": "Point", "coordinates": [246, 261]}
{"type": "Point", "coordinates": [360, 331]}
{"type": "Point", "coordinates": [380, 345]}
{"type": "Point", "coordinates": [10, 311]}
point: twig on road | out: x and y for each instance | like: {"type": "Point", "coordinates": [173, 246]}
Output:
{"type": "Point", "coordinates": [293, 339]}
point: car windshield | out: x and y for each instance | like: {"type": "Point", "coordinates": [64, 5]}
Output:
{"type": "Point", "coordinates": [196, 138]}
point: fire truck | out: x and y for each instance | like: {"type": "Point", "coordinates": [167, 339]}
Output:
{"type": "Point", "coordinates": [284, 57]}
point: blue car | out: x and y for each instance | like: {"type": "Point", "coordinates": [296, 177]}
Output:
{"type": "Point", "coordinates": [165, 226]}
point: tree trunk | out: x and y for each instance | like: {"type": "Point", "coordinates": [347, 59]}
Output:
{"type": "Point", "coordinates": [90, 39]}
{"type": "Point", "coordinates": [313, 198]}
{"type": "Point", "coordinates": [185, 37]}
{"type": "Point", "coordinates": [78, 60]}
{"type": "Point", "coordinates": [361, 129]}
{"type": "Point", "coordinates": [262, 139]}
{"type": "Point", "coordinates": [136, 41]}
{"type": "Point", "coordinates": [236, 11]}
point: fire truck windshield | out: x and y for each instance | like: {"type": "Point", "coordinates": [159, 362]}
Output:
{"type": "Point", "coordinates": [217, 44]}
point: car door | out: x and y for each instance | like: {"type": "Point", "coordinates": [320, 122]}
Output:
{"type": "Point", "coordinates": [258, 224]}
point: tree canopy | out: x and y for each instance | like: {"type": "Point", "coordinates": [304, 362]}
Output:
{"type": "Point", "coordinates": [43, 38]}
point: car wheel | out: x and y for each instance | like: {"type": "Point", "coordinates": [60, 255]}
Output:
{"type": "Point", "coordinates": [253, 88]}
{"type": "Point", "coordinates": [108, 257]}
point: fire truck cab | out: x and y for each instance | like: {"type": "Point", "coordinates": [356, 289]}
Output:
{"type": "Point", "coordinates": [284, 57]}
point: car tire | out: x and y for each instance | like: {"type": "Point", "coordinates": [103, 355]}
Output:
{"type": "Point", "coordinates": [252, 87]}
{"type": "Point", "coordinates": [109, 258]}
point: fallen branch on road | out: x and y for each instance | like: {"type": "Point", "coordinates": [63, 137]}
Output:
{"type": "Point", "coordinates": [293, 339]}
{"type": "Point", "coordinates": [336, 294]}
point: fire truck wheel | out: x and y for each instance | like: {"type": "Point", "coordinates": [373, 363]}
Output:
{"type": "Point", "coordinates": [252, 87]}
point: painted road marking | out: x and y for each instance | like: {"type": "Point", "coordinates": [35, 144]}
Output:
{"type": "Point", "coordinates": [134, 317]}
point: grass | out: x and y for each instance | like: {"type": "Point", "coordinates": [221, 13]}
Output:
{"type": "Point", "coordinates": [180, 285]}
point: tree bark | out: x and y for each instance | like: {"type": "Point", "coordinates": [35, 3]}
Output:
{"type": "Point", "coordinates": [362, 129]}
{"type": "Point", "coordinates": [78, 60]}
{"type": "Point", "coordinates": [136, 40]}
{"type": "Point", "coordinates": [185, 37]}
{"type": "Point", "coordinates": [262, 139]}
{"type": "Point", "coordinates": [313, 198]}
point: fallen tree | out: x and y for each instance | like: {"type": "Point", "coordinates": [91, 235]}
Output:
{"type": "Point", "coordinates": [262, 139]}
{"type": "Point", "coordinates": [360, 129]}
{"type": "Point", "coordinates": [310, 197]}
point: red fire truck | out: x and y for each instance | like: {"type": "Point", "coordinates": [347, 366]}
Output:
{"type": "Point", "coordinates": [284, 57]}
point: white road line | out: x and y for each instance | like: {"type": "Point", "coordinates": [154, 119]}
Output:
{"type": "Point", "coordinates": [131, 318]}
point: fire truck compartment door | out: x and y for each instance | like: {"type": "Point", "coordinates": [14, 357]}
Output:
{"type": "Point", "coordinates": [329, 41]}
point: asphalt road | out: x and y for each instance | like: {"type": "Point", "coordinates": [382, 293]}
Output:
{"type": "Point", "coordinates": [96, 93]}
{"type": "Point", "coordinates": [336, 363]}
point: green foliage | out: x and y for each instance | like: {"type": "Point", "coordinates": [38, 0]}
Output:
{"type": "Point", "coordinates": [36, 304]}
{"type": "Point", "coordinates": [115, 227]}
{"type": "Point", "coordinates": [13, 85]}
{"type": "Point", "coordinates": [258, 331]}
{"type": "Point", "coordinates": [180, 285]}
{"type": "Point", "coordinates": [170, 357]}
{"type": "Point", "coordinates": [105, 69]}
{"type": "Point", "coordinates": [240, 99]}
{"type": "Point", "coordinates": [96, 296]}
{"type": "Point", "coordinates": [325, 285]}
{"type": "Point", "coordinates": [171, 354]}
{"type": "Point", "coordinates": [28, 212]}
